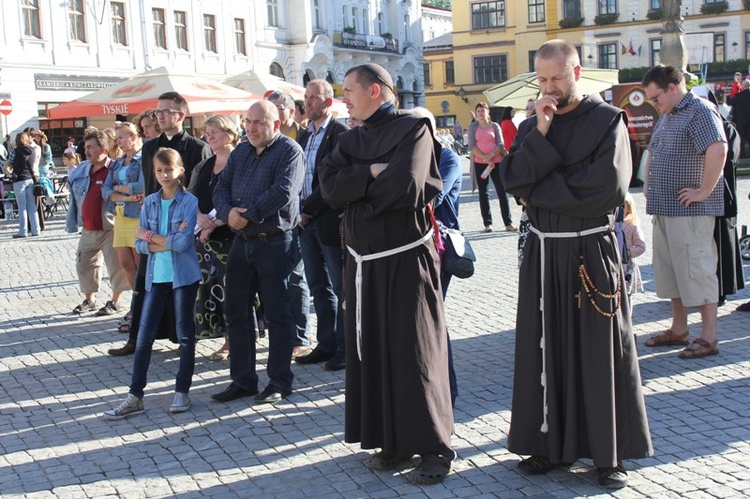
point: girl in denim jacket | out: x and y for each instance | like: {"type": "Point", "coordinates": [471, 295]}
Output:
{"type": "Point", "coordinates": [165, 234]}
{"type": "Point", "coordinates": [123, 190]}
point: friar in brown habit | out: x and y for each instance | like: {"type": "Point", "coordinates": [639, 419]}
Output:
{"type": "Point", "coordinates": [385, 173]}
{"type": "Point", "coordinates": [577, 386]}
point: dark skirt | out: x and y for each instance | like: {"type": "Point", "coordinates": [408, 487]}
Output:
{"type": "Point", "coordinates": [210, 319]}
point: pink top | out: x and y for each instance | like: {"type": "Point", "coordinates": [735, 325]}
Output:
{"type": "Point", "coordinates": [486, 141]}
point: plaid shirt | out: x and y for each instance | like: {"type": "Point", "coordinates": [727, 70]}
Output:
{"type": "Point", "coordinates": [678, 152]}
{"type": "Point", "coordinates": [311, 151]}
{"type": "Point", "coordinates": [267, 185]}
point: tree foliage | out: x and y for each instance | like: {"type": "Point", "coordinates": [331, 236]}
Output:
{"type": "Point", "coordinates": [441, 4]}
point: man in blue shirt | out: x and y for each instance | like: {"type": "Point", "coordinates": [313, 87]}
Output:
{"type": "Point", "coordinates": [258, 197]}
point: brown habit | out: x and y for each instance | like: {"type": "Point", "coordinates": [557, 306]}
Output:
{"type": "Point", "coordinates": [573, 180]}
{"type": "Point", "coordinates": [398, 396]}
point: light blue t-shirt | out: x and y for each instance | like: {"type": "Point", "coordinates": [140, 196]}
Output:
{"type": "Point", "coordinates": [122, 175]}
{"type": "Point", "coordinates": [163, 271]}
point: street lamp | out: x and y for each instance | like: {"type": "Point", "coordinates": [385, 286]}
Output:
{"type": "Point", "coordinates": [462, 93]}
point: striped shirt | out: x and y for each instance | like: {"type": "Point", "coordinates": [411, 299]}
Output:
{"type": "Point", "coordinates": [311, 152]}
{"type": "Point", "coordinates": [678, 152]}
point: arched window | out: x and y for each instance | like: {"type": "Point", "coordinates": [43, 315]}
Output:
{"type": "Point", "coordinates": [330, 78]}
{"type": "Point", "coordinates": [365, 23]}
{"type": "Point", "coordinates": [275, 70]}
{"type": "Point", "coordinates": [381, 24]}
{"type": "Point", "coordinates": [355, 13]}
{"type": "Point", "coordinates": [344, 16]}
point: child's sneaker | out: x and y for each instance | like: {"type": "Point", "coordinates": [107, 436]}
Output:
{"type": "Point", "coordinates": [130, 407]}
{"type": "Point", "coordinates": [181, 402]}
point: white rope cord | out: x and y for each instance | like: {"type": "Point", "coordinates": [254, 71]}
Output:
{"type": "Point", "coordinates": [358, 279]}
{"type": "Point", "coordinates": [543, 343]}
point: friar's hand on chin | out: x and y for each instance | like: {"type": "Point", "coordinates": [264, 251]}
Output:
{"type": "Point", "coordinates": [545, 111]}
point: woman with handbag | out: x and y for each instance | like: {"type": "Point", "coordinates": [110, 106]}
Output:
{"type": "Point", "coordinates": [25, 173]}
{"type": "Point", "coordinates": [486, 144]}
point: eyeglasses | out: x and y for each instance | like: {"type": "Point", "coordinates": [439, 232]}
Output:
{"type": "Point", "coordinates": [655, 99]}
{"type": "Point", "coordinates": [164, 112]}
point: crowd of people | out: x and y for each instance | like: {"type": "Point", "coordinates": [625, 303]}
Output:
{"type": "Point", "coordinates": [215, 238]}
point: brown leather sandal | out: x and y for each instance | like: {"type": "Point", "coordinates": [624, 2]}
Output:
{"type": "Point", "coordinates": [669, 338]}
{"type": "Point", "coordinates": [700, 348]}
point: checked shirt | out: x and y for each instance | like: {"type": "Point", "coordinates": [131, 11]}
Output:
{"type": "Point", "coordinates": [678, 147]}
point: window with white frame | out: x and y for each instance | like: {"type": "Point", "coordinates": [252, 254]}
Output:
{"type": "Point", "coordinates": [31, 25]}
{"type": "Point", "coordinates": [160, 28]}
{"type": "Point", "coordinates": [181, 30]}
{"type": "Point", "coordinates": [536, 11]}
{"type": "Point", "coordinates": [355, 13]}
{"type": "Point", "coordinates": [488, 15]}
{"type": "Point", "coordinates": [209, 33]}
{"type": "Point", "coordinates": [77, 20]}
{"type": "Point", "coordinates": [381, 23]}
{"type": "Point", "coordinates": [273, 12]}
{"type": "Point", "coordinates": [655, 52]}
{"type": "Point", "coordinates": [317, 14]}
{"type": "Point", "coordinates": [608, 56]}
{"type": "Point", "coordinates": [407, 28]}
{"type": "Point", "coordinates": [720, 54]}
{"type": "Point", "coordinates": [607, 7]}
{"type": "Point", "coordinates": [119, 30]}
{"type": "Point", "coordinates": [240, 43]}
{"type": "Point", "coordinates": [365, 23]}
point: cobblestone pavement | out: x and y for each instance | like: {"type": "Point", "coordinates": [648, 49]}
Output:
{"type": "Point", "coordinates": [57, 379]}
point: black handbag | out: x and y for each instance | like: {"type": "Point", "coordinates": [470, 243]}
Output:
{"type": "Point", "coordinates": [39, 190]}
{"type": "Point", "coordinates": [459, 257]}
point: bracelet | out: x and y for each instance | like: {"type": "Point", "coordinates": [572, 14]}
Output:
{"type": "Point", "coordinates": [148, 235]}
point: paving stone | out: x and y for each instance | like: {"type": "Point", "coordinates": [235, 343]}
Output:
{"type": "Point", "coordinates": [57, 379]}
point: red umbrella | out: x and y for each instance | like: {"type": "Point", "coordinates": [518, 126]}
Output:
{"type": "Point", "coordinates": [141, 92]}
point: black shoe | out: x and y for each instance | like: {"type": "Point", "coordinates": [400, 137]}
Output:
{"type": "Point", "coordinates": [613, 478]}
{"type": "Point", "coordinates": [234, 392]}
{"type": "Point", "coordinates": [535, 465]}
{"type": "Point", "coordinates": [317, 355]}
{"type": "Point", "coordinates": [337, 362]}
{"type": "Point", "coordinates": [271, 395]}
{"type": "Point", "coordinates": [128, 349]}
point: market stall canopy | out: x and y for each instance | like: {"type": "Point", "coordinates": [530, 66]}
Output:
{"type": "Point", "coordinates": [141, 92]}
{"type": "Point", "coordinates": [516, 91]}
{"type": "Point", "coordinates": [265, 84]}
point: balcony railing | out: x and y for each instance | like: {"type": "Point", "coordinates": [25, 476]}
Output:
{"type": "Point", "coordinates": [365, 42]}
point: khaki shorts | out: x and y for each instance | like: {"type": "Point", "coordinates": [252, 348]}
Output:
{"type": "Point", "coordinates": [92, 246]}
{"type": "Point", "coordinates": [685, 259]}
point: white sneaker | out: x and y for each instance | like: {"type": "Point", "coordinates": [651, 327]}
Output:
{"type": "Point", "coordinates": [129, 407]}
{"type": "Point", "coordinates": [181, 402]}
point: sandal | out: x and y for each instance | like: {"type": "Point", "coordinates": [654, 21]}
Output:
{"type": "Point", "coordinates": [380, 461]}
{"type": "Point", "coordinates": [219, 355]}
{"type": "Point", "coordinates": [433, 469]}
{"type": "Point", "coordinates": [700, 348]}
{"type": "Point", "coordinates": [668, 338]}
{"type": "Point", "coordinates": [124, 327]}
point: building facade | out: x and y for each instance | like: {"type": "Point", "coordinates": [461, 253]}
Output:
{"type": "Point", "coordinates": [55, 51]}
{"type": "Point", "coordinates": [496, 40]}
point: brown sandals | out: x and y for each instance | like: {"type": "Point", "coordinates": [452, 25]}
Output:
{"type": "Point", "coordinates": [700, 348]}
{"type": "Point", "coordinates": [668, 338]}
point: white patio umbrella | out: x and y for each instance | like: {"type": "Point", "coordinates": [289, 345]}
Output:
{"type": "Point", "coordinates": [516, 91]}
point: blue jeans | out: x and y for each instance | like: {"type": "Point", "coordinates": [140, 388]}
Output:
{"type": "Point", "coordinates": [153, 306]}
{"type": "Point", "coordinates": [445, 280]}
{"type": "Point", "coordinates": [323, 266]}
{"type": "Point", "coordinates": [24, 191]}
{"type": "Point", "coordinates": [260, 266]}
{"type": "Point", "coordinates": [299, 296]}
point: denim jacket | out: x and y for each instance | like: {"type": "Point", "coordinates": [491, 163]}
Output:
{"type": "Point", "coordinates": [135, 183]}
{"type": "Point", "coordinates": [181, 243]}
{"type": "Point", "coordinates": [78, 185]}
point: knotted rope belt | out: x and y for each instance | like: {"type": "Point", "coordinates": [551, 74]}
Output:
{"type": "Point", "coordinates": [358, 279]}
{"type": "Point", "coordinates": [553, 235]}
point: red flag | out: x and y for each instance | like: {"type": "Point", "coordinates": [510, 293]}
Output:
{"type": "Point", "coordinates": [630, 49]}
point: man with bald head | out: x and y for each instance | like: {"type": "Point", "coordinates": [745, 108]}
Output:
{"type": "Point", "coordinates": [257, 196]}
{"type": "Point", "coordinates": [577, 388]}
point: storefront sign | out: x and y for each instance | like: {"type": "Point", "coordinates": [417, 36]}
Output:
{"type": "Point", "coordinates": [69, 82]}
